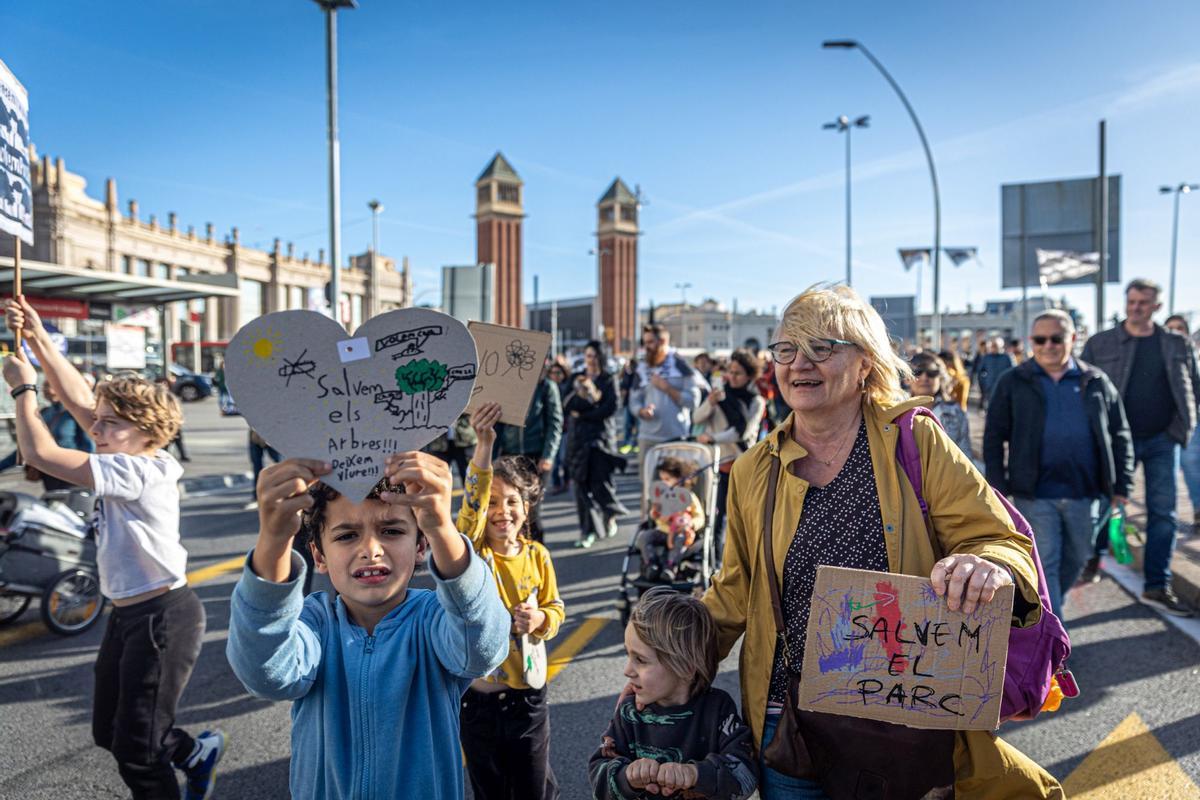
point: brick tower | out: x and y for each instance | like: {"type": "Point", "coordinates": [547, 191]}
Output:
{"type": "Point", "coordinates": [498, 215]}
{"type": "Point", "coordinates": [616, 256]}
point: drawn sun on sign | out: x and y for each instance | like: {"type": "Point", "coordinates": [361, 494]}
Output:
{"type": "Point", "coordinates": [265, 345]}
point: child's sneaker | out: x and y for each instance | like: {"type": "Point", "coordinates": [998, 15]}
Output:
{"type": "Point", "coordinates": [201, 767]}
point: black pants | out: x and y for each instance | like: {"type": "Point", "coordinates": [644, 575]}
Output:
{"type": "Point", "coordinates": [720, 522]}
{"type": "Point", "coordinates": [144, 664]}
{"type": "Point", "coordinates": [506, 739]}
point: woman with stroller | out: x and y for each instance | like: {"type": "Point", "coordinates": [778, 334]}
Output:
{"type": "Point", "coordinates": [731, 418]}
{"type": "Point", "coordinates": [592, 454]}
{"type": "Point", "coordinates": [837, 498]}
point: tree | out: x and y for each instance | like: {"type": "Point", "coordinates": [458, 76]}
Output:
{"type": "Point", "coordinates": [417, 379]}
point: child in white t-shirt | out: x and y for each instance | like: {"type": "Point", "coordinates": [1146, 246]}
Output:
{"type": "Point", "coordinates": [153, 636]}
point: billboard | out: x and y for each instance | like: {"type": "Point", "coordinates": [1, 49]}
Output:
{"type": "Point", "coordinates": [1056, 215]}
{"type": "Point", "coordinates": [467, 292]}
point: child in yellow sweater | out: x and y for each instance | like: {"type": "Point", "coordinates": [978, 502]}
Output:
{"type": "Point", "coordinates": [505, 720]}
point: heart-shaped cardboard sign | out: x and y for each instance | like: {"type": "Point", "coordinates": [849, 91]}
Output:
{"type": "Point", "coordinates": [670, 499]}
{"type": "Point", "coordinates": [312, 391]}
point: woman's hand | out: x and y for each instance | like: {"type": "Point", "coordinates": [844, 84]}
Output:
{"type": "Point", "coordinates": [967, 580]}
{"type": "Point", "coordinates": [716, 396]}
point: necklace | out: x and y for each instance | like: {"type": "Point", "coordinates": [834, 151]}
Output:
{"type": "Point", "coordinates": [829, 463]}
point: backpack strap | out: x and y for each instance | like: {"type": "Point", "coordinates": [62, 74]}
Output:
{"type": "Point", "coordinates": [909, 457]}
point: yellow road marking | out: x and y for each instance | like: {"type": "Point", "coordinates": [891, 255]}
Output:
{"type": "Point", "coordinates": [573, 644]}
{"type": "Point", "coordinates": [212, 571]}
{"type": "Point", "coordinates": [1129, 763]}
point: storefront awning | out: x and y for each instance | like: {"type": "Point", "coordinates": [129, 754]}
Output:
{"type": "Point", "coordinates": [53, 280]}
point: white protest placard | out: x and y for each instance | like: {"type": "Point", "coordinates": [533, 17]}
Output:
{"type": "Point", "coordinates": [16, 192]}
{"type": "Point", "coordinates": [126, 347]}
{"type": "Point", "coordinates": [351, 400]}
{"type": "Point", "coordinates": [510, 366]}
{"type": "Point", "coordinates": [885, 646]}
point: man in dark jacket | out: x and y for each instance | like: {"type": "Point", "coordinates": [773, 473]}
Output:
{"type": "Point", "coordinates": [538, 440]}
{"type": "Point", "coordinates": [1156, 373]}
{"type": "Point", "coordinates": [1068, 445]}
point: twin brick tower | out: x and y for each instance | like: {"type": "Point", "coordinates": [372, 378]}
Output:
{"type": "Point", "coordinates": [499, 211]}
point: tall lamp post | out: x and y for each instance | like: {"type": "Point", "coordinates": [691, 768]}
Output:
{"type": "Point", "coordinates": [376, 207]}
{"type": "Point", "coordinates": [843, 124]}
{"type": "Point", "coordinates": [851, 44]}
{"type": "Point", "coordinates": [330, 7]}
{"type": "Point", "coordinates": [1183, 188]}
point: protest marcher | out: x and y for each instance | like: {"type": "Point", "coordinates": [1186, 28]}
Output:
{"type": "Point", "coordinates": [704, 364]}
{"type": "Point", "coordinates": [731, 418]}
{"type": "Point", "coordinates": [559, 482]}
{"type": "Point", "coordinates": [1156, 373]}
{"type": "Point", "coordinates": [630, 426]}
{"type": "Point", "coordinates": [592, 448]}
{"type": "Point", "coordinates": [991, 365]}
{"type": "Point", "coordinates": [376, 670]}
{"type": "Point", "coordinates": [1068, 449]}
{"type": "Point", "coordinates": [665, 395]}
{"type": "Point", "coordinates": [66, 432]}
{"type": "Point", "coordinates": [154, 633]}
{"type": "Point", "coordinates": [538, 441]}
{"type": "Point", "coordinates": [1016, 349]}
{"type": "Point", "coordinates": [505, 720]}
{"type": "Point", "coordinates": [959, 387]}
{"type": "Point", "coordinates": [1189, 459]}
{"type": "Point", "coordinates": [839, 499]}
{"type": "Point", "coordinates": [673, 733]}
{"type": "Point", "coordinates": [930, 379]}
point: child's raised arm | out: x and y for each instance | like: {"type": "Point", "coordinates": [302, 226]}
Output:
{"type": "Point", "coordinates": [34, 439]}
{"type": "Point", "coordinates": [477, 487]}
{"type": "Point", "coordinates": [68, 383]}
{"type": "Point", "coordinates": [483, 421]}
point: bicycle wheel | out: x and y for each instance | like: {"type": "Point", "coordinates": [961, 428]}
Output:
{"type": "Point", "coordinates": [12, 605]}
{"type": "Point", "coordinates": [72, 602]}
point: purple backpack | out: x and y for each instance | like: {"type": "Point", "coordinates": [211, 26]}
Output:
{"type": "Point", "coordinates": [1037, 654]}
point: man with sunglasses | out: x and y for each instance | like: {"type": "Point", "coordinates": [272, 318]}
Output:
{"type": "Point", "coordinates": [1068, 447]}
{"type": "Point", "coordinates": [1156, 373]}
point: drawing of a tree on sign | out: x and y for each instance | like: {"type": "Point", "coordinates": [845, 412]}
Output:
{"type": "Point", "coordinates": [418, 379]}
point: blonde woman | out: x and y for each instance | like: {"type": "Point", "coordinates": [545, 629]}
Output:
{"type": "Point", "coordinates": [931, 379]}
{"type": "Point", "coordinates": [840, 499]}
{"type": "Point", "coordinates": [958, 384]}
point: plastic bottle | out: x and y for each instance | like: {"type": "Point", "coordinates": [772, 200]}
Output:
{"type": "Point", "coordinates": [1116, 538]}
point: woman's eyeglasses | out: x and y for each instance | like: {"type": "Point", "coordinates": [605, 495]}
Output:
{"type": "Point", "coordinates": [1041, 340]}
{"type": "Point", "coordinates": [927, 372]}
{"type": "Point", "coordinates": [818, 350]}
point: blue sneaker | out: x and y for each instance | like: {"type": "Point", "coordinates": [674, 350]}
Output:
{"type": "Point", "coordinates": [201, 769]}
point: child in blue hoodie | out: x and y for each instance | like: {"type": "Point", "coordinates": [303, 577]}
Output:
{"type": "Point", "coordinates": [377, 670]}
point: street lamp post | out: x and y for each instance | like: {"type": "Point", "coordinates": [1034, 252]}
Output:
{"type": "Point", "coordinates": [1183, 188]}
{"type": "Point", "coordinates": [330, 7]}
{"type": "Point", "coordinates": [683, 287]}
{"type": "Point", "coordinates": [843, 124]}
{"type": "Point", "coordinates": [851, 44]}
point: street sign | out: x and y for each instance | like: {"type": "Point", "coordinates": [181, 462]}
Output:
{"type": "Point", "coordinates": [1056, 215]}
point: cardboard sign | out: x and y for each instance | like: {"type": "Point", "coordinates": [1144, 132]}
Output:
{"type": "Point", "coordinates": [16, 196]}
{"type": "Point", "coordinates": [510, 366]}
{"type": "Point", "coordinates": [884, 646]}
{"type": "Point", "coordinates": [312, 391]}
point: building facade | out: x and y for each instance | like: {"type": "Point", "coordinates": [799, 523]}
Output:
{"type": "Point", "coordinates": [711, 327]}
{"type": "Point", "coordinates": [616, 262]}
{"type": "Point", "coordinates": [499, 211]}
{"type": "Point", "coordinates": [75, 230]}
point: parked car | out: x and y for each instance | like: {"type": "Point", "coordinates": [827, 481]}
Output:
{"type": "Point", "coordinates": [190, 385]}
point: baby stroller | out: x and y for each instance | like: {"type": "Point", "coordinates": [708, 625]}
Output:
{"type": "Point", "coordinates": [47, 550]}
{"type": "Point", "coordinates": [696, 564]}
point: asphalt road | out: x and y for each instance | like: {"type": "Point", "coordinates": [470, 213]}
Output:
{"type": "Point", "coordinates": [1134, 733]}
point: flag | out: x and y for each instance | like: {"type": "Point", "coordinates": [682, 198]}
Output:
{"type": "Point", "coordinates": [961, 255]}
{"type": "Point", "coordinates": [912, 258]}
{"type": "Point", "coordinates": [1055, 266]}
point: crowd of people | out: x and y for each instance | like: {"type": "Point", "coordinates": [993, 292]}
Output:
{"type": "Point", "coordinates": [802, 441]}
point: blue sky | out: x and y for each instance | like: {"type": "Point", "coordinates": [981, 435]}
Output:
{"type": "Point", "coordinates": [216, 111]}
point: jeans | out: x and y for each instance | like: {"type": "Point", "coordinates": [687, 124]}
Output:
{"type": "Point", "coordinates": [777, 786]}
{"type": "Point", "coordinates": [1063, 529]}
{"type": "Point", "coordinates": [506, 741]}
{"type": "Point", "coordinates": [1159, 457]}
{"type": "Point", "coordinates": [258, 454]}
{"type": "Point", "coordinates": [144, 664]}
{"type": "Point", "coordinates": [629, 434]}
{"type": "Point", "coordinates": [1189, 462]}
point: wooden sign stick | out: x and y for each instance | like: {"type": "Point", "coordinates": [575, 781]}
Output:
{"type": "Point", "coordinates": [16, 294]}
